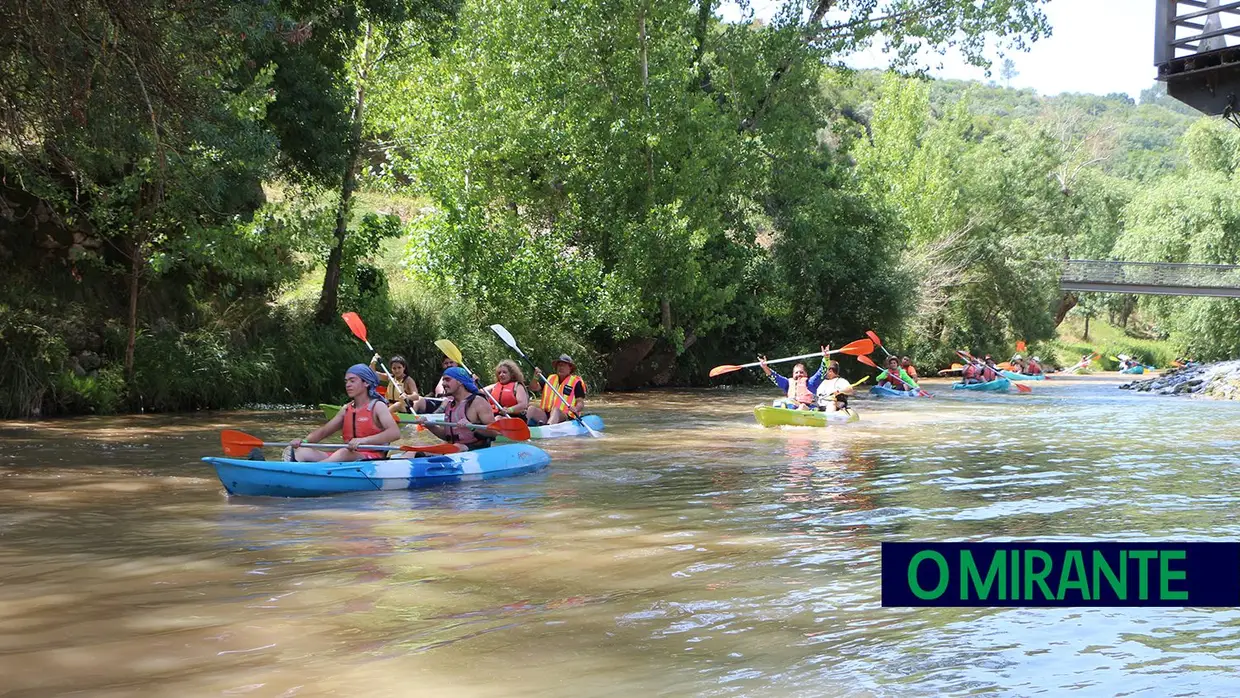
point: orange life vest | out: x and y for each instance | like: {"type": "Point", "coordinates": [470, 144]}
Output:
{"type": "Point", "coordinates": [550, 400]}
{"type": "Point", "coordinates": [358, 424]}
{"type": "Point", "coordinates": [988, 374]}
{"type": "Point", "coordinates": [972, 371]}
{"type": "Point", "coordinates": [505, 394]}
{"type": "Point", "coordinates": [798, 391]}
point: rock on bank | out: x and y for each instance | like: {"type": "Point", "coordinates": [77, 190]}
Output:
{"type": "Point", "coordinates": [1220, 381]}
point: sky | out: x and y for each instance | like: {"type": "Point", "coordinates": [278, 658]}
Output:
{"type": "Point", "coordinates": [1095, 46]}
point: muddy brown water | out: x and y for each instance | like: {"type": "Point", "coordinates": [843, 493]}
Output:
{"type": "Point", "coordinates": [689, 552]}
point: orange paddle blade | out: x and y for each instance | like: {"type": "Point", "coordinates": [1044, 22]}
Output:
{"type": "Point", "coordinates": [238, 443]}
{"type": "Point", "coordinates": [857, 348]}
{"type": "Point", "coordinates": [512, 428]}
{"type": "Point", "coordinates": [355, 325]}
{"type": "Point", "coordinates": [1020, 346]}
{"type": "Point", "coordinates": [726, 368]}
{"type": "Point", "coordinates": [1006, 366]}
{"type": "Point", "coordinates": [874, 338]}
{"type": "Point", "coordinates": [1023, 388]}
{"type": "Point", "coordinates": [867, 361]}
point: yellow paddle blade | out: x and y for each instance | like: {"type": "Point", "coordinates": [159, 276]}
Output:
{"type": "Point", "coordinates": [449, 349]}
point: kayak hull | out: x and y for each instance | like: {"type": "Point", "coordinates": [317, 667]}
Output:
{"type": "Point", "coordinates": [250, 478]}
{"type": "Point", "coordinates": [885, 391]}
{"type": "Point", "coordinates": [1135, 370]}
{"type": "Point", "coordinates": [999, 385]}
{"type": "Point", "coordinates": [570, 428]}
{"type": "Point", "coordinates": [1022, 376]}
{"type": "Point", "coordinates": [769, 416]}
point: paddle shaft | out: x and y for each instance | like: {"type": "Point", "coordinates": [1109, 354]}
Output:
{"type": "Point", "coordinates": [484, 390]}
{"type": "Point", "coordinates": [787, 358]}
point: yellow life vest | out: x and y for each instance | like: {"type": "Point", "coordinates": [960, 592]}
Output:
{"type": "Point", "coordinates": [550, 400]}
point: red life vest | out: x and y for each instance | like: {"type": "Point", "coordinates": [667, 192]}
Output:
{"type": "Point", "coordinates": [798, 391]}
{"type": "Point", "coordinates": [972, 371]}
{"type": "Point", "coordinates": [1033, 369]}
{"type": "Point", "coordinates": [505, 394]}
{"type": "Point", "coordinates": [988, 374]}
{"type": "Point", "coordinates": [464, 437]}
{"type": "Point", "coordinates": [358, 424]}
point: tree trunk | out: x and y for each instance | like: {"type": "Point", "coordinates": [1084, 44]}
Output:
{"type": "Point", "coordinates": [135, 278]}
{"type": "Point", "coordinates": [641, 32]}
{"type": "Point", "coordinates": [329, 297]}
{"type": "Point", "coordinates": [1066, 303]}
{"type": "Point", "coordinates": [1086, 328]}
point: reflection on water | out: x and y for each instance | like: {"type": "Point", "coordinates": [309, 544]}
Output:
{"type": "Point", "coordinates": [689, 552]}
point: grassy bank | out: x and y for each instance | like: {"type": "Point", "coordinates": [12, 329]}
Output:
{"type": "Point", "coordinates": [1109, 341]}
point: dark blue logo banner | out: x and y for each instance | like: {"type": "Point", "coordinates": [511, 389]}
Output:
{"type": "Point", "coordinates": [1061, 574]}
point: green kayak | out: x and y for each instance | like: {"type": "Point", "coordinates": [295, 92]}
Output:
{"type": "Point", "coordinates": [769, 416]}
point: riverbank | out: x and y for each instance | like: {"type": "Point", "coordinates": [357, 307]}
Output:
{"type": "Point", "coordinates": [1219, 381]}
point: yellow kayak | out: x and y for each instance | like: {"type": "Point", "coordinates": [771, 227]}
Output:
{"type": "Point", "coordinates": [769, 416]}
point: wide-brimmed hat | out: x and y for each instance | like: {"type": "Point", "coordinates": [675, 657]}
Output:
{"type": "Point", "coordinates": [564, 359]}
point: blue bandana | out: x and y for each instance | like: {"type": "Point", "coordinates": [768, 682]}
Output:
{"type": "Point", "coordinates": [370, 378]}
{"type": "Point", "coordinates": [462, 376]}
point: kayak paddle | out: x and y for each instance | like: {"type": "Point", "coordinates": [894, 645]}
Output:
{"type": "Point", "coordinates": [354, 321]}
{"type": "Point", "coordinates": [857, 348]}
{"type": "Point", "coordinates": [879, 343]}
{"type": "Point", "coordinates": [509, 427]}
{"type": "Point", "coordinates": [238, 444]}
{"type": "Point", "coordinates": [972, 359]}
{"type": "Point", "coordinates": [870, 362]}
{"type": "Point", "coordinates": [452, 352]}
{"type": "Point", "coordinates": [507, 338]}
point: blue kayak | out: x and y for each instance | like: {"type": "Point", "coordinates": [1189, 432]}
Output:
{"type": "Point", "coordinates": [1022, 376]}
{"type": "Point", "coordinates": [1137, 370]}
{"type": "Point", "coordinates": [259, 478]}
{"type": "Point", "coordinates": [887, 391]}
{"type": "Point", "coordinates": [998, 385]}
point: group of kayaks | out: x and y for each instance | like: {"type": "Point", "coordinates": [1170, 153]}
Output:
{"type": "Point", "coordinates": [429, 466]}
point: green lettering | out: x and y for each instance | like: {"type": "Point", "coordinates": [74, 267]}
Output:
{"type": "Point", "coordinates": [1015, 593]}
{"type": "Point", "coordinates": [1118, 585]}
{"type": "Point", "coordinates": [969, 574]}
{"type": "Point", "coordinates": [1038, 577]}
{"type": "Point", "coordinates": [1073, 563]}
{"type": "Point", "coordinates": [1165, 575]}
{"type": "Point", "coordinates": [944, 575]}
{"type": "Point", "coordinates": [1143, 572]}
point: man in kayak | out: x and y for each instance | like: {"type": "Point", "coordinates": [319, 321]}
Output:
{"type": "Point", "coordinates": [894, 376]}
{"type": "Point", "coordinates": [464, 404]}
{"type": "Point", "coordinates": [400, 374]}
{"type": "Point", "coordinates": [364, 421]}
{"type": "Point", "coordinates": [800, 388]}
{"type": "Point", "coordinates": [551, 409]}
{"type": "Point", "coordinates": [509, 389]}
{"type": "Point", "coordinates": [907, 364]}
{"type": "Point", "coordinates": [833, 392]}
{"type": "Point", "coordinates": [1018, 364]}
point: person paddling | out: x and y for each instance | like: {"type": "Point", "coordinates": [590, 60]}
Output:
{"type": "Point", "coordinates": [365, 420]}
{"type": "Point", "coordinates": [1033, 367]}
{"type": "Point", "coordinates": [907, 365]}
{"type": "Point", "coordinates": [894, 376]}
{"type": "Point", "coordinates": [509, 389]}
{"type": "Point", "coordinates": [833, 392]}
{"type": "Point", "coordinates": [400, 374]}
{"type": "Point", "coordinates": [800, 388]}
{"type": "Point", "coordinates": [551, 409]}
{"type": "Point", "coordinates": [464, 404]}
{"type": "Point", "coordinates": [990, 371]}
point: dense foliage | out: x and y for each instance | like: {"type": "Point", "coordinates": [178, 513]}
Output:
{"type": "Point", "coordinates": [640, 184]}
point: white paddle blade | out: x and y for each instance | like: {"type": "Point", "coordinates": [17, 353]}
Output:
{"type": "Point", "coordinates": [506, 336]}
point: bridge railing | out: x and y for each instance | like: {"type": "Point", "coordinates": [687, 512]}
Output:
{"type": "Point", "coordinates": [1154, 274]}
{"type": "Point", "coordinates": [1186, 27]}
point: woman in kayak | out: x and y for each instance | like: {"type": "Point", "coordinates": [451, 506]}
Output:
{"type": "Point", "coordinates": [990, 371]}
{"type": "Point", "coordinates": [800, 388]}
{"type": "Point", "coordinates": [894, 376]}
{"type": "Point", "coordinates": [400, 374]}
{"type": "Point", "coordinates": [364, 421]}
{"type": "Point", "coordinates": [551, 409]}
{"type": "Point", "coordinates": [833, 392]}
{"type": "Point", "coordinates": [509, 388]}
{"type": "Point", "coordinates": [1034, 367]}
{"type": "Point", "coordinates": [464, 404]}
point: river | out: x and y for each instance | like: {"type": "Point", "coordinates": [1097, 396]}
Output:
{"type": "Point", "coordinates": [689, 552]}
